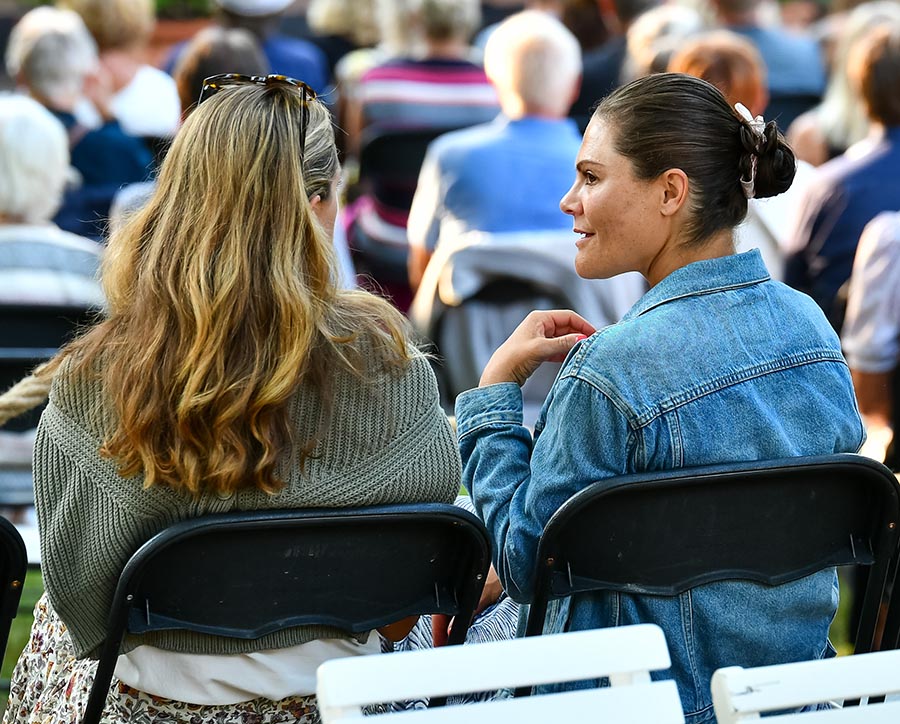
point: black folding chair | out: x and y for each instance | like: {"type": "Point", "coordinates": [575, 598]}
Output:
{"type": "Point", "coordinates": [770, 522]}
{"type": "Point", "coordinates": [13, 563]}
{"type": "Point", "coordinates": [390, 158]}
{"type": "Point", "coordinates": [29, 335]}
{"type": "Point", "coordinates": [248, 574]}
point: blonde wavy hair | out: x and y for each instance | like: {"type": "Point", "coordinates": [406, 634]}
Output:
{"type": "Point", "coordinates": [223, 300]}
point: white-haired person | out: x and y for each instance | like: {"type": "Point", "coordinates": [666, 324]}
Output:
{"type": "Point", "coordinates": [52, 55]}
{"type": "Point", "coordinates": [39, 263]}
{"type": "Point", "coordinates": [505, 175]}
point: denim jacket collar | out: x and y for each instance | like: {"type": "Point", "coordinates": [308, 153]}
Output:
{"type": "Point", "coordinates": [704, 277]}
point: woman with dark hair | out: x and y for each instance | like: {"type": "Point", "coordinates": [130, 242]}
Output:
{"type": "Point", "coordinates": [231, 373]}
{"type": "Point", "coordinates": [716, 363]}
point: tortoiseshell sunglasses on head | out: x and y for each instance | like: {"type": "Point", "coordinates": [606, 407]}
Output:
{"type": "Point", "coordinates": [215, 83]}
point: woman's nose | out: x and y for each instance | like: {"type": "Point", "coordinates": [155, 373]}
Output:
{"type": "Point", "coordinates": [568, 204]}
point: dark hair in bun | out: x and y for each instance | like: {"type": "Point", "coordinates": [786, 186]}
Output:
{"type": "Point", "coordinates": [672, 120]}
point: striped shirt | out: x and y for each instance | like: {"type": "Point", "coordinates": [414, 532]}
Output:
{"type": "Point", "coordinates": [427, 93]}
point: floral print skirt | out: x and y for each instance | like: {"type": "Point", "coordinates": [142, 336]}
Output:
{"type": "Point", "coordinates": [50, 686]}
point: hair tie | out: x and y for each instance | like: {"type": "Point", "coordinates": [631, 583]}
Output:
{"type": "Point", "coordinates": [757, 126]}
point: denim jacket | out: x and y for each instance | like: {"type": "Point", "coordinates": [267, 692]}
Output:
{"type": "Point", "coordinates": [716, 363]}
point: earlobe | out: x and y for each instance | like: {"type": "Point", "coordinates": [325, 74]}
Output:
{"type": "Point", "coordinates": [675, 186]}
{"type": "Point", "coordinates": [315, 200]}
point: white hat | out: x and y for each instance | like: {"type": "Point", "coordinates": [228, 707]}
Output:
{"type": "Point", "coordinates": [252, 8]}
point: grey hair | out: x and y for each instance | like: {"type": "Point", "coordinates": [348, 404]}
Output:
{"type": "Point", "coordinates": [533, 56]}
{"type": "Point", "coordinates": [320, 159]}
{"type": "Point", "coordinates": [34, 159]}
{"type": "Point", "coordinates": [52, 50]}
{"type": "Point", "coordinates": [446, 19]}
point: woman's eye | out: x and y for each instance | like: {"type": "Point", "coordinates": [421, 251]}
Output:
{"type": "Point", "coordinates": [589, 178]}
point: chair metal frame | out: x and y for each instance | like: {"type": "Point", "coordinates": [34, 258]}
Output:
{"type": "Point", "coordinates": [13, 566]}
{"type": "Point", "coordinates": [772, 522]}
{"type": "Point", "coordinates": [245, 575]}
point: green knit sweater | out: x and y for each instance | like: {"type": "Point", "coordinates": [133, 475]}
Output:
{"type": "Point", "coordinates": [388, 442]}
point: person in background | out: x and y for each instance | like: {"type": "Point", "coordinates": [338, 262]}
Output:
{"type": "Point", "coordinates": [871, 335]}
{"type": "Point", "coordinates": [144, 100]}
{"type": "Point", "coordinates": [441, 88]}
{"type": "Point", "coordinates": [212, 51]}
{"type": "Point", "coordinates": [504, 175]}
{"type": "Point", "coordinates": [397, 38]}
{"type": "Point", "coordinates": [796, 73]}
{"type": "Point", "coordinates": [731, 63]}
{"type": "Point", "coordinates": [339, 27]}
{"type": "Point", "coordinates": [654, 36]}
{"type": "Point", "coordinates": [293, 57]}
{"type": "Point", "coordinates": [716, 363]}
{"type": "Point", "coordinates": [840, 120]}
{"type": "Point", "coordinates": [196, 395]}
{"type": "Point", "coordinates": [602, 69]}
{"type": "Point", "coordinates": [40, 264]}
{"type": "Point", "coordinates": [849, 191]}
{"type": "Point", "coordinates": [52, 55]}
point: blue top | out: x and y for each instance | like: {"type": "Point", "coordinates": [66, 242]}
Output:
{"type": "Point", "coordinates": [717, 363]}
{"type": "Point", "coordinates": [107, 159]}
{"type": "Point", "coordinates": [796, 73]}
{"type": "Point", "coordinates": [845, 195]}
{"type": "Point", "coordinates": [793, 62]}
{"type": "Point", "coordinates": [507, 175]}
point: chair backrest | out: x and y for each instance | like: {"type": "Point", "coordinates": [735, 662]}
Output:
{"type": "Point", "coordinates": [31, 334]}
{"type": "Point", "coordinates": [626, 655]}
{"type": "Point", "coordinates": [390, 158]}
{"type": "Point", "coordinates": [741, 695]}
{"type": "Point", "coordinates": [773, 522]}
{"type": "Point", "coordinates": [13, 564]}
{"type": "Point", "coordinates": [248, 574]}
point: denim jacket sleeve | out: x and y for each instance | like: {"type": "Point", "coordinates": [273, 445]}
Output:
{"type": "Point", "coordinates": [518, 483]}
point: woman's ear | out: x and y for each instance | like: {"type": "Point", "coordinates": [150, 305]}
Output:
{"type": "Point", "coordinates": [675, 186]}
{"type": "Point", "coordinates": [315, 201]}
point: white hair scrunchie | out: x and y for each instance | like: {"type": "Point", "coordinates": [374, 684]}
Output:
{"type": "Point", "coordinates": [758, 127]}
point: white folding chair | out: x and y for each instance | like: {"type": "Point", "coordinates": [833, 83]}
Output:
{"type": "Point", "coordinates": [741, 695]}
{"type": "Point", "coordinates": [626, 655]}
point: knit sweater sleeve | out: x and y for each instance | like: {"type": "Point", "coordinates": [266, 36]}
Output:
{"type": "Point", "coordinates": [90, 519]}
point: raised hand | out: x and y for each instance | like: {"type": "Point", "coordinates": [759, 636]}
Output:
{"type": "Point", "coordinates": [543, 336]}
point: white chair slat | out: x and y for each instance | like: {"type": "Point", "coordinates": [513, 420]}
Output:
{"type": "Point", "coordinates": [888, 713]}
{"type": "Point", "coordinates": [625, 654]}
{"type": "Point", "coordinates": [739, 694]}
{"type": "Point", "coordinates": [657, 702]}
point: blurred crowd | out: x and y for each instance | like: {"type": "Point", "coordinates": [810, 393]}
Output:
{"type": "Point", "coordinates": [458, 123]}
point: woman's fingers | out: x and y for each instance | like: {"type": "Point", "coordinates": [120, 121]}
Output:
{"type": "Point", "coordinates": [543, 336]}
{"type": "Point", "coordinates": [559, 322]}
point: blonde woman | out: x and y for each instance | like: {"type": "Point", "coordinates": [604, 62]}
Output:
{"type": "Point", "coordinates": [231, 374]}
